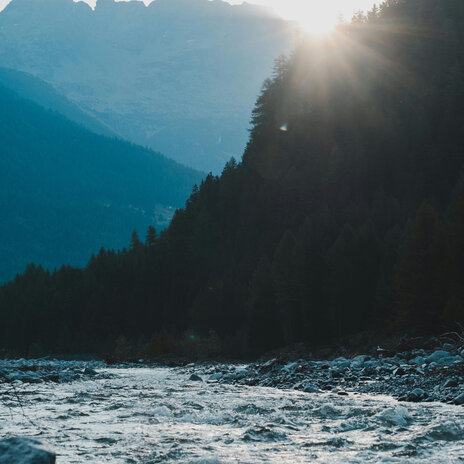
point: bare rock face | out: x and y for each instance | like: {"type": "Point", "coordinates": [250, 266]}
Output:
{"type": "Point", "coordinates": [24, 451]}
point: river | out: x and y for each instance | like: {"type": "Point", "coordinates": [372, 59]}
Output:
{"type": "Point", "coordinates": [156, 415]}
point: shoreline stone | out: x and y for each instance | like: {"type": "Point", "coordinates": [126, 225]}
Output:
{"type": "Point", "coordinates": [411, 376]}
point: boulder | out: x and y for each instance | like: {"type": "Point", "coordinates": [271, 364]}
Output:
{"type": "Point", "coordinates": [448, 346]}
{"type": "Point", "coordinates": [291, 367]}
{"type": "Point", "coordinates": [342, 363]}
{"type": "Point", "coordinates": [195, 378]}
{"type": "Point", "coordinates": [398, 416]}
{"type": "Point", "coordinates": [89, 371]}
{"type": "Point", "coordinates": [269, 364]}
{"type": "Point", "coordinates": [240, 374]}
{"type": "Point", "coordinates": [450, 360]}
{"type": "Point", "coordinates": [371, 365]}
{"type": "Point", "coordinates": [335, 373]}
{"type": "Point", "coordinates": [437, 355]}
{"type": "Point", "coordinates": [310, 388]}
{"type": "Point", "coordinates": [31, 377]}
{"type": "Point", "coordinates": [416, 395]}
{"type": "Point", "coordinates": [358, 361]}
{"type": "Point", "coordinates": [450, 383]}
{"type": "Point", "coordinates": [24, 451]}
{"type": "Point", "coordinates": [459, 399]}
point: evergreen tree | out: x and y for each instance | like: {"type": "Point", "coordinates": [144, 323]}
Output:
{"type": "Point", "coordinates": [454, 311]}
{"type": "Point", "coordinates": [135, 242]}
{"type": "Point", "coordinates": [420, 282]}
{"type": "Point", "coordinates": [343, 260]}
{"type": "Point", "coordinates": [286, 290]}
{"type": "Point", "coordinates": [265, 329]}
{"type": "Point", "coordinates": [152, 237]}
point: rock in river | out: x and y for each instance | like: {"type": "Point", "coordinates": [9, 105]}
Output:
{"type": "Point", "coordinates": [24, 451]}
{"type": "Point", "coordinates": [416, 395]}
{"type": "Point", "coordinates": [216, 377]}
{"type": "Point", "coordinates": [310, 388]}
{"type": "Point", "coordinates": [459, 399]}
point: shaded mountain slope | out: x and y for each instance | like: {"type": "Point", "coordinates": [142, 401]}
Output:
{"type": "Point", "coordinates": [32, 88]}
{"type": "Point", "coordinates": [65, 191]}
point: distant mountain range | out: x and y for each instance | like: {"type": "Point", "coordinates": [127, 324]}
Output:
{"type": "Point", "coordinates": [66, 191]}
{"type": "Point", "coordinates": [179, 76]}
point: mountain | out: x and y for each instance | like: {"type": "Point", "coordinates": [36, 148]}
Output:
{"type": "Point", "coordinates": [344, 216]}
{"type": "Point", "coordinates": [32, 88]}
{"type": "Point", "coordinates": [66, 191]}
{"type": "Point", "coordinates": [178, 76]}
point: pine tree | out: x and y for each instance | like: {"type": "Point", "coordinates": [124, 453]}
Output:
{"type": "Point", "coordinates": [135, 243]}
{"type": "Point", "coordinates": [151, 237]}
{"type": "Point", "coordinates": [265, 328]}
{"type": "Point", "coordinates": [343, 261]}
{"type": "Point", "coordinates": [454, 311]}
{"type": "Point", "coordinates": [420, 280]}
{"type": "Point", "coordinates": [286, 288]}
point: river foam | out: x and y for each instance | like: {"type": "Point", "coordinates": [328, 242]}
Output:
{"type": "Point", "coordinates": [157, 415]}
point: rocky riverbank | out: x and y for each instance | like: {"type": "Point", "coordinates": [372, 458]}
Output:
{"type": "Point", "coordinates": [415, 376]}
{"type": "Point", "coordinates": [49, 370]}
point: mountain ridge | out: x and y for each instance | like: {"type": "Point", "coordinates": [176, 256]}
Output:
{"type": "Point", "coordinates": [179, 80]}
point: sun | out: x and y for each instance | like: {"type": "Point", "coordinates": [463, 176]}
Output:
{"type": "Point", "coordinates": [317, 25]}
{"type": "Point", "coordinates": [314, 20]}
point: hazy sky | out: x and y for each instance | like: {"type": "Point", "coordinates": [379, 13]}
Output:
{"type": "Point", "coordinates": [292, 8]}
{"type": "Point", "coordinates": [344, 7]}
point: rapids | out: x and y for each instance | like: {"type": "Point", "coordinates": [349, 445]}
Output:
{"type": "Point", "coordinates": [157, 415]}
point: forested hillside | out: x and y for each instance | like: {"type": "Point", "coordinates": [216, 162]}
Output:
{"type": "Point", "coordinates": [346, 212]}
{"type": "Point", "coordinates": [65, 191]}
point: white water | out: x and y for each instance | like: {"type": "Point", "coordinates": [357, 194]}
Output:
{"type": "Point", "coordinates": [159, 416]}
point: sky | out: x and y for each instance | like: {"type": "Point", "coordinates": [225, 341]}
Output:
{"type": "Point", "coordinates": [294, 9]}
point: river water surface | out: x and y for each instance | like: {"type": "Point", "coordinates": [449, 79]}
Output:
{"type": "Point", "coordinates": [158, 416]}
